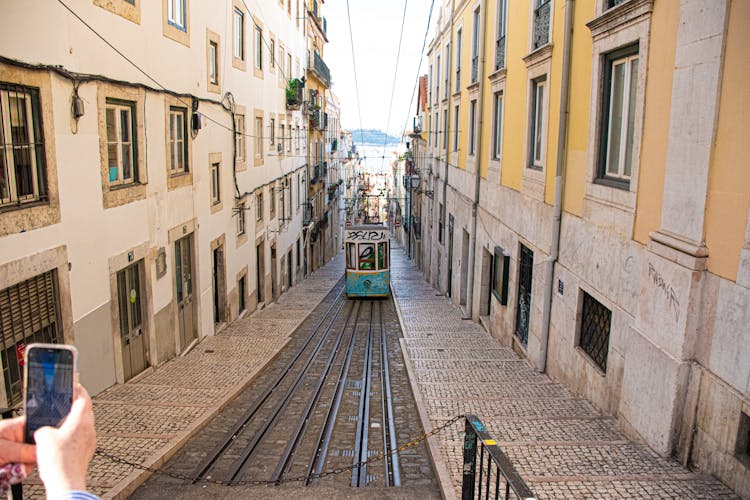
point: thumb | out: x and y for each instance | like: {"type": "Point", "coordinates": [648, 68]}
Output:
{"type": "Point", "coordinates": [45, 435]}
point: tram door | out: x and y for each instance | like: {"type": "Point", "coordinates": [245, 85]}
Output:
{"type": "Point", "coordinates": [134, 349]}
{"type": "Point", "coordinates": [183, 265]}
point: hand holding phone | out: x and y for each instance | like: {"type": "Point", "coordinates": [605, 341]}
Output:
{"type": "Point", "coordinates": [50, 375]}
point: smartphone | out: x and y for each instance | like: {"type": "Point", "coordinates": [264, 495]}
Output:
{"type": "Point", "coordinates": [49, 373]}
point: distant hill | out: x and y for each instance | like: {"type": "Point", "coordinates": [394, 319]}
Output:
{"type": "Point", "coordinates": [373, 136]}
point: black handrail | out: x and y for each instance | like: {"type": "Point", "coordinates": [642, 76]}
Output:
{"type": "Point", "coordinates": [498, 475]}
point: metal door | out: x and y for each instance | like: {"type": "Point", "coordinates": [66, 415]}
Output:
{"type": "Point", "coordinates": [132, 339]}
{"type": "Point", "coordinates": [183, 265]}
{"type": "Point", "coordinates": [523, 308]}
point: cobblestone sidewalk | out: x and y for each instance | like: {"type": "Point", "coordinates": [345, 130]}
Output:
{"type": "Point", "coordinates": [560, 444]}
{"type": "Point", "coordinates": [146, 421]}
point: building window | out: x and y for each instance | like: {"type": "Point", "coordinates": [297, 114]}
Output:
{"type": "Point", "coordinates": [538, 130]}
{"type": "Point", "coordinates": [213, 63]}
{"type": "Point", "coordinates": [742, 445]}
{"type": "Point", "coordinates": [215, 184]}
{"type": "Point", "coordinates": [472, 126]}
{"type": "Point", "coordinates": [178, 158]}
{"type": "Point", "coordinates": [258, 48]}
{"type": "Point", "coordinates": [437, 80]}
{"type": "Point", "coordinates": [240, 144]}
{"type": "Point", "coordinates": [445, 131]}
{"type": "Point", "coordinates": [459, 43]}
{"type": "Point", "coordinates": [475, 48]}
{"type": "Point", "coordinates": [239, 34]}
{"type": "Point", "coordinates": [259, 207]}
{"type": "Point", "coordinates": [441, 222]}
{"type": "Point", "coordinates": [542, 13]}
{"type": "Point", "coordinates": [594, 335]}
{"type": "Point", "coordinates": [272, 201]}
{"type": "Point", "coordinates": [618, 116]}
{"type": "Point", "coordinates": [614, 3]}
{"type": "Point", "coordinates": [258, 137]}
{"type": "Point", "coordinates": [176, 14]}
{"type": "Point", "coordinates": [500, 275]}
{"type": "Point", "coordinates": [241, 219]}
{"type": "Point", "coordinates": [22, 161]}
{"type": "Point", "coordinates": [500, 39]}
{"type": "Point", "coordinates": [272, 53]}
{"type": "Point", "coordinates": [497, 125]}
{"type": "Point", "coordinates": [455, 127]}
{"type": "Point", "coordinates": [272, 131]}
{"type": "Point", "coordinates": [29, 312]}
{"type": "Point", "coordinates": [121, 146]}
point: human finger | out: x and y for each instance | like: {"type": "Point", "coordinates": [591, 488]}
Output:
{"type": "Point", "coordinates": [15, 452]}
{"type": "Point", "coordinates": [12, 428]}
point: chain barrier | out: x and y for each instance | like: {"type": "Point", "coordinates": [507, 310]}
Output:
{"type": "Point", "coordinates": [380, 456]}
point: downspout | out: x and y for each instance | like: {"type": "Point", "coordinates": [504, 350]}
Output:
{"type": "Point", "coordinates": [562, 134]}
{"type": "Point", "coordinates": [447, 146]}
{"type": "Point", "coordinates": [478, 160]}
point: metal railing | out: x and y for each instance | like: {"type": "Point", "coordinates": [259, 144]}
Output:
{"type": "Point", "coordinates": [495, 476]}
{"type": "Point", "coordinates": [474, 69]}
{"type": "Point", "coordinates": [614, 3]}
{"type": "Point", "coordinates": [500, 53]}
{"type": "Point", "coordinates": [320, 69]}
{"type": "Point", "coordinates": [541, 23]}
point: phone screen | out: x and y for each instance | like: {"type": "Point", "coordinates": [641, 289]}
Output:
{"type": "Point", "coordinates": [49, 388]}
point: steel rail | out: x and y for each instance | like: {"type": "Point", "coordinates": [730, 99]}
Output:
{"type": "Point", "coordinates": [212, 457]}
{"type": "Point", "coordinates": [239, 463]}
{"type": "Point", "coordinates": [391, 448]}
{"type": "Point", "coordinates": [359, 473]}
{"type": "Point", "coordinates": [324, 438]}
{"type": "Point", "coordinates": [304, 421]}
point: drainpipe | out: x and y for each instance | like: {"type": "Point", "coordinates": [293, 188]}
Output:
{"type": "Point", "coordinates": [478, 159]}
{"type": "Point", "coordinates": [562, 134]}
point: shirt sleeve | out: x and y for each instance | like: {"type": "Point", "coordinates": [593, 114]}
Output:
{"type": "Point", "coordinates": [76, 495]}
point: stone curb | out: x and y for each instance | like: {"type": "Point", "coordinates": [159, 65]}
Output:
{"type": "Point", "coordinates": [447, 489]}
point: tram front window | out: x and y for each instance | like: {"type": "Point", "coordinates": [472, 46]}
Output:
{"type": "Point", "coordinates": [366, 256]}
{"type": "Point", "coordinates": [351, 256]}
{"type": "Point", "coordinates": [382, 255]}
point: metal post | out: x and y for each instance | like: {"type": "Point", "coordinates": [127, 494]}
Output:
{"type": "Point", "coordinates": [15, 489]}
{"type": "Point", "coordinates": [470, 462]}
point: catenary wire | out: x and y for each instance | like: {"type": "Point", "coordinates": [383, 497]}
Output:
{"type": "Point", "coordinates": [395, 75]}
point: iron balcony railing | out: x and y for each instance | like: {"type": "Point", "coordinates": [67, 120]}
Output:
{"type": "Point", "coordinates": [474, 69]}
{"type": "Point", "coordinates": [541, 23]}
{"type": "Point", "coordinates": [320, 69]}
{"type": "Point", "coordinates": [614, 3]}
{"type": "Point", "coordinates": [494, 476]}
{"type": "Point", "coordinates": [500, 53]}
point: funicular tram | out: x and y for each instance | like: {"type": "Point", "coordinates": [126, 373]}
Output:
{"type": "Point", "coordinates": [367, 250]}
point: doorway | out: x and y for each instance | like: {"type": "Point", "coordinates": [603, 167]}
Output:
{"type": "Point", "coordinates": [450, 255]}
{"type": "Point", "coordinates": [485, 292]}
{"type": "Point", "coordinates": [219, 285]}
{"type": "Point", "coordinates": [130, 307]}
{"type": "Point", "coordinates": [289, 269]}
{"type": "Point", "coordinates": [259, 268]}
{"type": "Point", "coordinates": [463, 295]}
{"type": "Point", "coordinates": [183, 265]}
{"type": "Point", "coordinates": [523, 308]}
{"type": "Point", "coordinates": [274, 273]}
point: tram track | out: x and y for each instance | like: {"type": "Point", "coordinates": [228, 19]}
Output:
{"type": "Point", "coordinates": [300, 423]}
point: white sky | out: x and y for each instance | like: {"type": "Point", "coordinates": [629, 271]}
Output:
{"type": "Point", "coordinates": [376, 25]}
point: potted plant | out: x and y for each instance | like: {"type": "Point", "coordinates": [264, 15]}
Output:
{"type": "Point", "coordinates": [294, 93]}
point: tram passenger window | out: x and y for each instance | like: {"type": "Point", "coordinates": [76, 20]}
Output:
{"type": "Point", "coordinates": [351, 256]}
{"type": "Point", "coordinates": [366, 256]}
{"type": "Point", "coordinates": [382, 255]}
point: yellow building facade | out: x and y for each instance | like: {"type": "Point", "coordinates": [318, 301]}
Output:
{"type": "Point", "coordinates": [606, 235]}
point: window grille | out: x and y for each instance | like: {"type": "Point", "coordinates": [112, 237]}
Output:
{"type": "Point", "coordinates": [595, 324]}
{"type": "Point", "coordinates": [29, 312]}
{"type": "Point", "coordinates": [23, 173]}
{"type": "Point", "coordinates": [541, 23]}
{"type": "Point", "coordinates": [523, 308]}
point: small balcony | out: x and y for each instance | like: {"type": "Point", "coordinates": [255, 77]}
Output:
{"type": "Point", "coordinates": [319, 69]}
{"type": "Point", "coordinates": [541, 23]}
{"type": "Point", "coordinates": [474, 69]}
{"type": "Point", "coordinates": [500, 53]}
{"type": "Point", "coordinates": [295, 94]}
{"type": "Point", "coordinates": [417, 127]}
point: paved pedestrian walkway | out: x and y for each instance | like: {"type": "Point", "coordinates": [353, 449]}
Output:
{"type": "Point", "coordinates": [147, 420]}
{"type": "Point", "coordinates": [559, 443]}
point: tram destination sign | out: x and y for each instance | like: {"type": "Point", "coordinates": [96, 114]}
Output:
{"type": "Point", "coordinates": [366, 235]}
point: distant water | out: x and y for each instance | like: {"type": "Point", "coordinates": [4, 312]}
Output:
{"type": "Point", "coordinates": [376, 158]}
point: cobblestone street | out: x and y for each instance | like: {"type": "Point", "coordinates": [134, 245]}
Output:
{"type": "Point", "coordinates": [559, 443]}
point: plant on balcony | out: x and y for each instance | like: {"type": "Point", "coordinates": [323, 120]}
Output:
{"type": "Point", "coordinates": [294, 93]}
